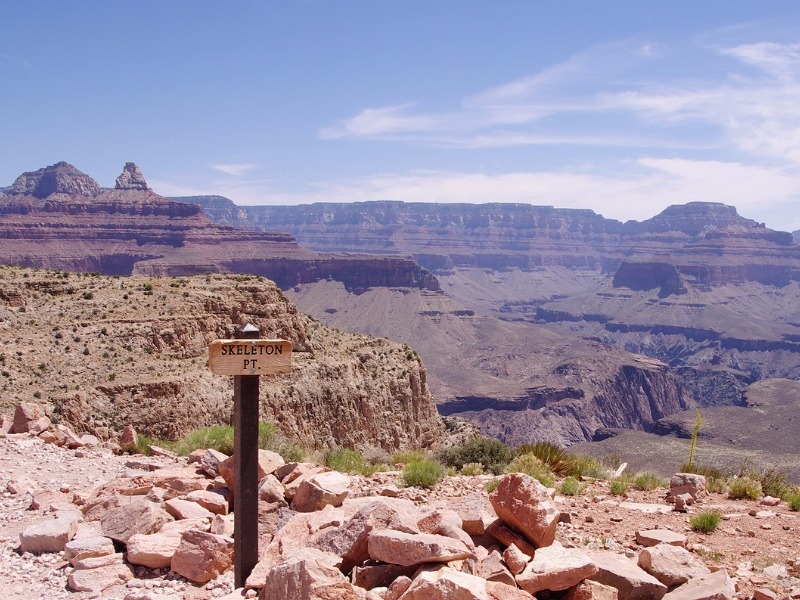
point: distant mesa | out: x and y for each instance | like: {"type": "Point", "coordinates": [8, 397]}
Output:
{"type": "Point", "coordinates": [60, 178]}
{"type": "Point", "coordinates": [131, 178]}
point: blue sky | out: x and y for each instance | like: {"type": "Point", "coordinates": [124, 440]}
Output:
{"type": "Point", "coordinates": [622, 107]}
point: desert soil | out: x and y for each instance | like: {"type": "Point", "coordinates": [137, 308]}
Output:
{"type": "Point", "coordinates": [758, 551]}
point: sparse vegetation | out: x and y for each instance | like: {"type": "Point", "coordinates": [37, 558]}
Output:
{"type": "Point", "coordinates": [648, 481]}
{"type": "Point", "coordinates": [570, 487]}
{"type": "Point", "coordinates": [407, 456]}
{"type": "Point", "coordinates": [531, 465]}
{"type": "Point", "coordinates": [423, 473]}
{"type": "Point", "coordinates": [794, 501]}
{"type": "Point", "coordinates": [744, 487]}
{"type": "Point", "coordinates": [552, 455]}
{"type": "Point", "coordinates": [705, 522]}
{"type": "Point", "coordinates": [472, 469]}
{"type": "Point", "coordinates": [492, 454]}
{"type": "Point", "coordinates": [618, 487]}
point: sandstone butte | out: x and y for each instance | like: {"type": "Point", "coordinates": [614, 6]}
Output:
{"type": "Point", "coordinates": [363, 544]}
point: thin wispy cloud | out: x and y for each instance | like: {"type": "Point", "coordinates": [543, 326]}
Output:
{"type": "Point", "coordinates": [20, 62]}
{"type": "Point", "coordinates": [234, 169]}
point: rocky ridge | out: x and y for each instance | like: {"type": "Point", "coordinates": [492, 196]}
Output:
{"type": "Point", "coordinates": [86, 523]}
{"type": "Point", "coordinates": [699, 288]}
{"type": "Point", "coordinates": [102, 352]}
{"type": "Point", "coordinates": [60, 218]}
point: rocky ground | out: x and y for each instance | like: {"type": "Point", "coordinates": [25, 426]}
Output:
{"type": "Point", "coordinates": [757, 545]}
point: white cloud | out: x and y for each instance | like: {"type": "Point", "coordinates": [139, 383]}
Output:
{"type": "Point", "coordinates": [235, 169]}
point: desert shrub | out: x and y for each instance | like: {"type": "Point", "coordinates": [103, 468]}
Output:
{"type": "Point", "coordinates": [794, 501]}
{"type": "Point", "coordinates": [744, 487]}
{"type": "Point", "coordinates": [705, 522]}
{"type": "Point", "coordinates": [493, 454]}
{"type": "Point", "coordinates": [648, 481]}
{"type": "Point", "coordinates": [219, 438]}
{"type": "Point", "coordinates": [570, 487]}
{"type": "Point", "coordinates": [774, 482]}
{"type": "Point", "coordinates": [142, 445]}
{"type": "Point", "coordinates": [619, 487]}
{"type": "Point", "coordinates": [583, 465]}
{"type": "Point", "coordinates": [492, 485]}
{"type": "Point", "coordinates": [553, 455]}
{"type": "Point", "coordinates": [472, 469]}
{"type": "Point", "coordinates": [407, 456]}
{"type": "Point", "coordinates": [716, 479]}
{"type": "Point", "coordinates": [423, 473]}
{"type": "Point", "coordinates": [344, 460]}
{"type": "Point", "coordinates": [533, 466]}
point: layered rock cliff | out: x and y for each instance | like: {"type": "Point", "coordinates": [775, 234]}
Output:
{"type": "Point", "coordinates": [102, 352]}
{"type": "Point", "coordinates": [60, 218]}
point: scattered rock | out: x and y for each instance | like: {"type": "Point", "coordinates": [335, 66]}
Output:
{"type": "Point", "coordinates": [524, 504]}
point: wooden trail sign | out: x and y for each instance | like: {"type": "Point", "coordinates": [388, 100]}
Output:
{"type": "Point", "coordinates": [246, 358]}
{"type": "Point", "coordinates": [250, 357]}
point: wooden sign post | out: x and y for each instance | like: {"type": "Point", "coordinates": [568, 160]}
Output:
{"type": "Point", "coordinates": [246, 358]}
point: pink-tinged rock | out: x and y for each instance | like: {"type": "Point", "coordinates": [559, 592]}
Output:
{"type": "Point", "coordinates": [376, 575]}
{"type": "Point", "coordinates": [128, 437]}
{"type": "Point", "coordinates": [268, 462]}
{"type": "Point", "coordinates": [312, 576]}
{"type": "Point", "coordinates": [179, 527]}
{"type": "Point", "coordinates": [53, 436]}
{"type": "Point", "coordinates": [397, 588]}
{"type": "Point", "coordinates": [94, 562]}
{"type": "Point", "coordinates": [6, 424]}
{"type": "Point", "coordinates": [222, 525]}
{"type": "Point", "coordinates": [202, 556]}
{"type": "Point", "coordinates": [445, 522]}
{"type": "Point", "coordinates": [211, 501]}
{"type": "Point", "coordinates": [71, 439]}
{"type": "Point", "coordinates": [470, 509]}
{"type": "Point", "coordinates": [687, 483]}
{"type": "Point", "coordinates": [211, 460]}
{"type": "Point", "coordinates": [556, 568]}
{"type": "Point", "coordinates": [503, 534]}
{"type": "Point", "coordinates": [671, 565]}
{"type": "Point", "coordinates": [26, 413]}
{"type": "Point", "coordinates": [37, 426]}
{"type": "Point", "coordinates": [446, 584]}
{"type": "Point", "coordinates": [491, 568]}
{"type": "Point", "coordinates": [716, 586]}
{"type": "Point", "coordinates": [154, 550]}
{"type": "Point", "coordinates": [501, 591]}
{"type": "Point", "coordinates": [651, 537]}
{"type": "Point", "coordinates": [516, 559]}
{"type": "Point", "coordinates": [764, 594]}
{"type": "Point", "coordinates": [186, 509]}
{"type": "Point", "coordinates": [89, 440]}
{"type": "Point", "coordinates": [350, 539]}
{"type": "Point", "coordinates": [139, 516]}
{"type": "Point", "coordinates": [407, 549]}
{"type": "Point", "coordinates": [48, 500]}
{"type": "Point", "coordinates": [270, 490]}
{"type": "Point", "coordinates": [632, 582]}
{"type": "Point", "coordinates": [769, 501]}
{"type": "Point", "coordinates": [592, 590]}
{"type": "Point", "coordinates": [80, 548]}
{"type": "Point", "coordinates": [323, 489]}
{"type": "Point", "coordinates": [23, 485]}
{"type": "Point", "coordinates": [297, 476]}
{"type": "Point", "coordinates": [97, 580]}
{"type": "Point", "coordinates": [524, 504]}
{"type": "Point", "coordinates": [195, 457]}
{"type": "Point", "coordinates": [48, 536]}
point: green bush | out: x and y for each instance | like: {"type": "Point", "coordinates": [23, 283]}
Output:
{"type": "Point", "coordinates": [493, 454]}
{"type": "Point", "coordinates": [794, 501]}
{"type": "Point", "coordinates": [553, 455]}
{"type": "Point", "coordinates": [492, 485]}
{"type": "Point", "coordinates": [570, 487]}
{"type": "Point", "coordinates": [533, 466]}
{"type": "Point", "coordinates": [647, 482]}
{"type": "Point", "coordinates": [705, 522]}
{"type": "Point", "coordinates": [407, 456]}
{"type": "Point", "coordinates": [744, 487]}
{"type": "Point", "coordinates": [344, 460]}
{"type": "Point", "coordinates": [583, 465]}
{"type": "Point", "coordinates": [618, 487]}
{"type": "Point", "coordinates": [423, 473]}
{"type": "Point", "coordinates": [219, 438]}
{"type": "Point", "coordinates": [775, 483]}
{"type": "Point", "coordinates": [472, 469]}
